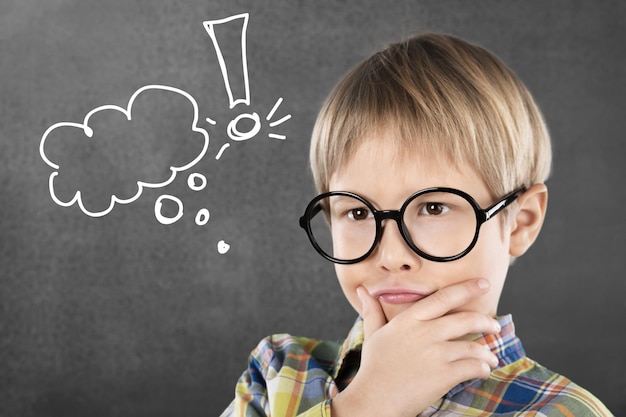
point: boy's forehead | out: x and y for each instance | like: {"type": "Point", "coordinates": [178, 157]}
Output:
{"type": "Point", "coordinates": [385, 156]}
{"type": "Point", "coordinates": [396, 152]}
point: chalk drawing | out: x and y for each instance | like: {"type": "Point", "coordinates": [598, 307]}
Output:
{"type": "Point", "coordinates": [63, 135]}
{"type": "Point", "coordinates": [222, 247]}
{"type": "Point", "coordinates": [202, 217]}
{"type": "Point", "coordinates": [193, 184]}
{"type": "Point", "coordinates": [222, 149]}
{"type": "Point", "coordinates": [240, 22]}
{"type": "Point", "coordinates": [210, 28]}
{"type": "Point", "coordinates": [158, 208]}
{"type": "Point", "coordinates": [58, 130]}
{"type": "Point", "coordinates": [237, 135]}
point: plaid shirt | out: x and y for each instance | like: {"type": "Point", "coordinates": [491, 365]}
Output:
{"type": "Point", "coordinates": [295, 376]}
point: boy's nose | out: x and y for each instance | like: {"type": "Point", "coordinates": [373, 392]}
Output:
{"type": "Point", "coordinates": [393, 253]}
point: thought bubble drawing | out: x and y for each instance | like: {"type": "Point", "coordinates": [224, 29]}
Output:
{"type": "Point", "coordinates": [158, 209]}
{"type": "Point", "coordinates": [196, 181]}
{"type": "Point", "coordinates": [203, 216]}
{"type": "Point", "coordinates": [118, 134]}
{"type": "Point", "coordinates": [222, 247]}
{"type": "Point", "coordinates": [117, 152]}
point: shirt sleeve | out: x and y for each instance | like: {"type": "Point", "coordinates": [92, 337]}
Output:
{"type": "Point", "coordinates": [251, 399]}
{"type": "Point", "coordinates": [283, 379]}
{"type": "Point", "coordinates": [240, 409]}
{"type": "Point", "coordinates": [318, 410]}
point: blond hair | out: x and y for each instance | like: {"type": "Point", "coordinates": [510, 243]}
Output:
{"type": "Point", "coordinates": [443, 97]}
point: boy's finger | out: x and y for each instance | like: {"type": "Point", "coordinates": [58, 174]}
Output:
{"type": "Point", "coordinates": [449, 298]}
{"type": "Point", "coordinates": [372, 313]}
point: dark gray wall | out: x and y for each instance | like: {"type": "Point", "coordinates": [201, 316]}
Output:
{"type": "Point", "coordinates": [124, 316]}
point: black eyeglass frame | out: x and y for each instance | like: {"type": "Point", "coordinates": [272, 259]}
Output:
{"type": "Point", "coordinates": [482, 215]}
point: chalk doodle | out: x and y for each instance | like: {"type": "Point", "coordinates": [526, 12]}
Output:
{"type": "Point", "coordinates": [222, 247]}
{"type": "Point", "coordinates": [158, 206]}
{"type": "Point", "coordinates": [133, 143]}
{"type": "Point", "coordinates": [210, 26]}
{"type": "Point", "coordinates": [66, 130]}
{"type": "Point", "coordinates": [191, 181]}
{"type": "Point", "coordinates": [243, 97]}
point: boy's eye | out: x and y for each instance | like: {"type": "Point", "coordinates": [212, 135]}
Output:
{"type": "Point", "coordinates": [359, 213]}
{"type": "Point", "coordinates": [434, 209]}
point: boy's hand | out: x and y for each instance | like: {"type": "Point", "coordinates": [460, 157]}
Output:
{"type": "Point", "coordinates": [413, 360]}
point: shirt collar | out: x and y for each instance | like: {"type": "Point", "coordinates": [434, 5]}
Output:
{"type": "Point", "coordinates": [352, 343]}
{"type": "Point", "coordinates": [505, 345]}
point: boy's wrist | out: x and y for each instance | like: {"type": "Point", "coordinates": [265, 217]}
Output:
{"type": "Point", "coordinates": [346, 405]}
{"type": "Point", "coordinates": [354, 401]}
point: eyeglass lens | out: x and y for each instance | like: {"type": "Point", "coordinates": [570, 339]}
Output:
{"type": "Point", "coordinates": [440, 224]}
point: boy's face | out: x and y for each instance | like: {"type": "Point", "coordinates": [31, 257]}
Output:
{"type": "Point", "coordinates": [395, 274]}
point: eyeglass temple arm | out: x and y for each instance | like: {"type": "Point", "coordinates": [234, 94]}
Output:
{"type": "Point", "coordinates": [500, 205]}
{"type": "Point", "coordinates": [316, 209]}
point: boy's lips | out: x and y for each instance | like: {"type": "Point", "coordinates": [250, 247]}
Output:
{"type": "Point", "coordinates": [399, 295]}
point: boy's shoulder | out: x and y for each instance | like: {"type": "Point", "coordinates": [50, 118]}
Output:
{"type": "Point", "coordinates": [286, 375]}
{"type": "Point", "coordinates": [527, 386]}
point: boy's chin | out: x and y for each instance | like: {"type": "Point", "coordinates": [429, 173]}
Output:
{"type": "Point", "coordinates": [393, 310]}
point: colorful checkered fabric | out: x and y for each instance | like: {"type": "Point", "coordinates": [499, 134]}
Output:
{"type": "Point", "coordinates": [295, 376]}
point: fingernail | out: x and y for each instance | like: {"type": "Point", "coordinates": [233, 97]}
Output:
{"type": "Point", "coordinates": [497, 327]}
{"type": "Point", "coordinates": [483, 284]}
{"type": "Point", "coordinates": [494, 361]}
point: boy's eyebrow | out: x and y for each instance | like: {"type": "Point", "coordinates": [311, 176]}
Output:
{"type": "Point", "coordinates": [343, 201]}
{"type": "Point", "coordinates": [343, 198]}
{"type": "Point", "coordinates": [339, 199]}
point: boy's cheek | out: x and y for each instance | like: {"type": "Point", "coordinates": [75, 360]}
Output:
{"type": "Point", "coordinates": [349, 282]}
{"type": "Point", "coordinates": [353, 299]}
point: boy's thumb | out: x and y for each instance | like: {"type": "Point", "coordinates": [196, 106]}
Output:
{"type": "Point", "coordinates": [371, 312]}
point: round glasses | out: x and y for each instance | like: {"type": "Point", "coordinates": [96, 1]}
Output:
{"type": "Point", "coordinates": [439, 224]}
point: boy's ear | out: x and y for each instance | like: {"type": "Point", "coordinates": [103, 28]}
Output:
{"type": "Point", "coordinates": [525, 226]}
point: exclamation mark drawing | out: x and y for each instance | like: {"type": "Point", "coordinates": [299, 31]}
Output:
{"type": "Point", "coordinates": [211, 27]}
{"type": "Point", "coordinates": [238, 89]}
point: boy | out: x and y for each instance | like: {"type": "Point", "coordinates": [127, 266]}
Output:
{"type": "Point", "coordinates": [437, 136]}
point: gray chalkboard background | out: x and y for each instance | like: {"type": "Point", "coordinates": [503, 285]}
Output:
{"type": "Point", "coordinates": [122, 315]}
